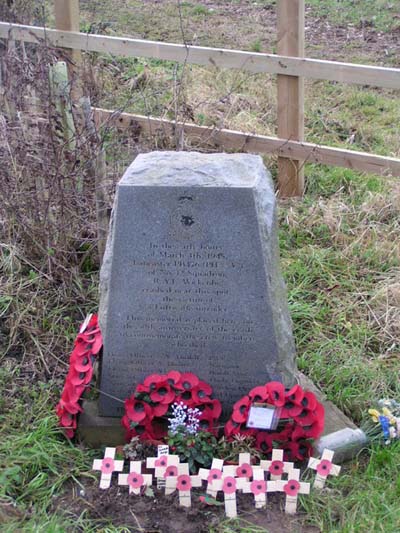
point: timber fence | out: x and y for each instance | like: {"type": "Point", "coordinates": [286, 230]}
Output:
{"type": "Point", "coordinates": [289, 65]}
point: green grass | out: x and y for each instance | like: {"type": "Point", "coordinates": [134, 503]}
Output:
{"type": "Point", "coordinates": [377, 14]}
{"type": "Point", "coordinates": [363, 498]}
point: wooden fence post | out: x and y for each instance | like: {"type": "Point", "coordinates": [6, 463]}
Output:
{"type": "Point", "coordinates": [67, 19]}
{"type": "Point", "coordinates": [290, 95]}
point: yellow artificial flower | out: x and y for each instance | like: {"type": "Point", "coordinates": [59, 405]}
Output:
{"type": "Point", "coordinates": [375, 415]}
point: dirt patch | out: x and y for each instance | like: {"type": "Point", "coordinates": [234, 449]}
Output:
{"type": "Point", "coordinates": [162, 514]}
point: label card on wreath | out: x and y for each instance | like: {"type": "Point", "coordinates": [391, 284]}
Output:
{"type": "Point", "coordinates": [263, 416]}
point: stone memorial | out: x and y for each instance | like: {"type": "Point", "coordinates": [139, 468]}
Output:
{"type": "Point", "coordinates": [191, 279]}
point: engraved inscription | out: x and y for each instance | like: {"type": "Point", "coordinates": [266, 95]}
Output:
{"type": "Point", "coordinates": [182, 279]}
{"type": "Point", "coordinates": [188, 292]}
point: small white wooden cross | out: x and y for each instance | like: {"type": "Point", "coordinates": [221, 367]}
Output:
{"type": "Point", "coordinates": [161, 464]}
{"type": "Point", "coordinates": [292, 487]}
{"type": "Point", "coordinates": [212, 474]}
{"type": "Point", "coordinates": [229, 485]}
{"type": "Point", "coordinates": [184, 483]}
{"type": "Point", "coordinates": [276, 466]}
{"type": "Point", "coordinates": [135, 479]}
{"type": "Point", "coordinates": [259, 487]}
{"type": "Point", "coordinates": [107, 466]}
{"type": "Point", "coordinates": [242, 470]}
{"type": "Point", "coordinates": [324, 468]}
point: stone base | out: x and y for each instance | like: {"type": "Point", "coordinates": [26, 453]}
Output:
{"type": "Point", "coordinates": [96, 431]}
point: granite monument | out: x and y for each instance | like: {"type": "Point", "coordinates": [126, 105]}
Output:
{"type": "Point", "coordinates": [191, 280]}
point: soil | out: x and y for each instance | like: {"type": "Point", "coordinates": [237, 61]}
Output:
{"type": "Point", "coordinates": [162, 514]}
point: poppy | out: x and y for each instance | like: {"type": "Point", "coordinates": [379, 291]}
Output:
{"type": "Point", "coordinates": [309, 401]}
{"type": "Point", "coordinates": [81, 378]}
{"type": "Point", "coordinates": [81, 348]}
{"type": "Point", "coordinates": [276, 393]}
{"type": "Point", "coordinates": [137, 410]}
{"type": "Point", "coordinates": [264, 442]}
{"type": "Point", "coordinates": [244, 470]}
{"type": "Point", "coordinates": [284, 432]}
{"type": "Point", "coordinates": [319, 413]}
{"type": "Point", "coordinates": [173, 379]}
{"type": "Point", "coordinates": [276, 468]}
{"type": "Point", "coordinates": [292, 487]}
{"type": "Point", "coordinates": [258, 394]}
{"type": "Point", "coordinates": [201, 391]}
{"type": "Point", "coordinates": [81, 363]}
{"type": "Point", "coordinates": [214, 474]}
{"type": "Point", "coordinates": [162, 393]}
{"type": "Point", "coordinates": [206, 420]}
{"type": "Point", "coordinates": [107, 465]}
{"type": "Point", "coordinates": [324, 468]}
{"type": "Point", "coordinates": [161, 461]}
{"type": "Point", "coordinates": [186, 397]}
{"type": "Point", "coordinates": [135, 480]}
{"type": "Point", "coordinates": [305, 450]}
{"type": "Point", "coordinates": [241, 409]}
{"type": "Point", "coordinates": [231, 428]}
{"type": "Point", "coordinates": [93, 339]}
{"type": "Point", "coordinates": [69, 433]}
{"type": "Point", "coordinates": [184, 483]}
{"type": "Point", "coordinates": [258, 487]}
{"type": "Point", "coordinates": [290, 409]}
{"type": "Point", "coordinates": [171, 471]}
{"type": "Point", "coordinates": [189, 380]}
{"type": "Point", "coordinates": [143, 430]}
{"type": "Point", "coordinates": [152, 380]}
{"type": "Point", "coordinates": [295, 394]}
{"type": "Point", "coordinates": [214, 405]}
{"type": "Point", "coordinates": [72, 407]}
{"type": "Point", "coordinates": [311, 431]}
{"type": "Point", "coordinates": [66, 419]}
{"type": "Point", "coordinates": [305, 418]}
{"type": "Point", "coordinates": [97, 343]}
{"type": "Point", "coordinates": [229, 485]}
{"type": "Point", "coordinates": [290, 451]}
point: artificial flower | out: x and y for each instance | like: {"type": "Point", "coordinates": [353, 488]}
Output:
{"type": "Point", "coordinates": [189, 380]}
{"type": "Point", "coordinates": [107, 465]}
{"type": "Point", "coordinates": [214, 474]}
{"type": "Point", "coordinates": [184, 483]}
{"type": "Point", "coordinates": [292, 487]}
{"type": "Point", "coordinates": [276, 393]}
{"type": "Point", "coordinates": [135, 480]}
{"type": "Point", "coordinates": [324, 468]}
{"type": "Point", "coordinates": [244, 470]}
{"type": "Point", "coordinates": [137, 410]}
{"type": "Point", "coordinates": [276, 468]}
{"type": "Point", "coordinates": [258, 487]}
{"type": "Point", "coordinates": [229, 485]}
{"type": "Point", "coordinates": [259, 394]}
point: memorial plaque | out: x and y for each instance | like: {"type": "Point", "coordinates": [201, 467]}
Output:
{"type": "Point", "coordinates": [190, 278]}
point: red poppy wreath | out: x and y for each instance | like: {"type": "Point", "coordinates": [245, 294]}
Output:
{"type": "Point", "coordinates": [301, 420]}
{"type": "Point", "coordinates": [86, 348]}
{"type": "Point", "coordinates": [147, 409]}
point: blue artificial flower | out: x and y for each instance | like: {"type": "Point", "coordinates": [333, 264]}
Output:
{"type": "Point", "coordinates": [385, 424]}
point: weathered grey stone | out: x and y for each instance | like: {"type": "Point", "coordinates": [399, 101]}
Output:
{"type": "Point", "coordinates": [190, 278]}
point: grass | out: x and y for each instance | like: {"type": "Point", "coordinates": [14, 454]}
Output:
{"type": "Point", "coordinates": [339, 249]}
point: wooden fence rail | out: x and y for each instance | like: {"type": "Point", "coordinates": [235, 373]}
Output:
{"type": "Point", "coordinates": [200, 55]}
{"type": "Point", "coordinates": [291, 150]}
{"type": "Point", "coordinates": [247, 142]}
